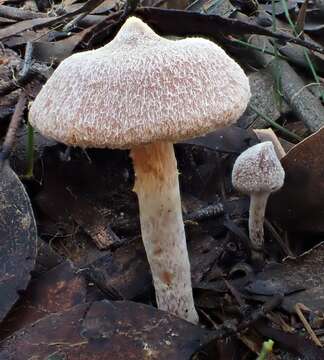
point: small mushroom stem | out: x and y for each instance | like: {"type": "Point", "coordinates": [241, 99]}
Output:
{"type": "Point", "coordinates": [162, 227]}
{"type": "Point", "coordinates": [258, 203]}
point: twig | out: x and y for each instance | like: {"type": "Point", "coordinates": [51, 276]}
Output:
{"type": "Point", "coordinates": [104, 30]}
{"type": "Point", "coordinates": [307, 107]}
{"type": "Point", "coordinates": [107, 28]}
{"type": "Point", "coordinates": [26, 74]}
{"type": "Point", "coordinates": [40, 23]}
{"type": "Point", "coordinates": [27, 59]}
{"type": "Point", "coordinates": [12, 129]}
{"type": "Point", "coordinates": [184, 23]}
{"type": "Point", "coordinates": [277, 72]}
{"type": "Point", "coordinates": [298, 308]}
{"type": "Point", "coordinates": [298, 32]}
{"type": "Point", "coordinates": [254, 315]}
{"type": "Point", "coordinates": [130, 6]}
{"type": "Point", "coordinates": [91, 5]}
{"type": "Point", "coordinates": [275, 125]}
{"type": "Point", "coordinates": [213, 323]}
{"type": "Point", "coordinates": [254, 47]}
{"type": "Point", "coordinates": [235, 293]}
{"type": "Point", "coordinates": [251, 315]}
{"type": "Point", "coordinates": [284, 248]}
{"type": "Point", "coordinates": [207, 212]}
{"type": "Point", "coordinates": [204, 213]}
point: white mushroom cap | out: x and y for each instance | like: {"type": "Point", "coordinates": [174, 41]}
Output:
{"type": "Point", "coordinates": [140, 88]}
{"type": "Point", "coordinates": [258, 169]}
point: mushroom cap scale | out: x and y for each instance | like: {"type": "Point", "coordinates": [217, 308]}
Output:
{"type": "Point", "coordinates": [258, 170]}
{"type": "Point", "coordinates": [141, 88]}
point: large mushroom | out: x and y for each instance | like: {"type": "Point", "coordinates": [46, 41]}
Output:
{"type": "Point", "coordinates": [144, 92]}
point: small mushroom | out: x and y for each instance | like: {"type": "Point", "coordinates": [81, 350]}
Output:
{"type": "Point", "coordinates": [258, 172]}
{"type": "Point", "coordinates": [144, 92]}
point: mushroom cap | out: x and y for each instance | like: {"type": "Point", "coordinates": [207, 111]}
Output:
{"type": "Point", "coordinates": [258, 169]}
{"type": "Point", "coordinates": [140, 88]}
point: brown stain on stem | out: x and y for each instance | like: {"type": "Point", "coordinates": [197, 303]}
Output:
{"type": "Point", "coordinates": [153, 165]}
{"type": "Point", "coordinates": [167, 277]}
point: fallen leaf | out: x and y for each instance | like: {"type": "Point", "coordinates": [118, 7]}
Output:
{"type": "Point", "coordinates": [23, 26]}
{"type": "Point", "coordinates": [303, 190]}
{"type": "Point", "coordinates": [55, 291]}
{"type": "Point", "coordinates": [106, 331]}
{"type": "Point", "coordinates": [17, 238]}
{"type": "Point", "coordinates": [300, 280]}
{"type": "Point", "coordinates": [59, 50]}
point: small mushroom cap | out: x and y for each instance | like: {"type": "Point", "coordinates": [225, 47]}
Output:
{"type": "Point", "coordinates": [140, 88]}
{"type": "Point", "coordinates": [258, 169]}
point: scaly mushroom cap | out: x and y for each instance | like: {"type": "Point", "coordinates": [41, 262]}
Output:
{"type": "Point", "coordinates": [140, 88]}
{"type": "Point", "coordinates": [258, 169]}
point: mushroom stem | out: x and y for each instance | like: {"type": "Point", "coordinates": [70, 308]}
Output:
{"type": "Point", "coordinates": [163, 234]}
{"type": "Point", "coordinates": [258, 203]}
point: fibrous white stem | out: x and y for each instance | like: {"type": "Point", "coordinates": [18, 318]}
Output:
{"type": "Point", "coordinates": [258, 203]}
{"type": "Point", "coordinates": [163, 234]}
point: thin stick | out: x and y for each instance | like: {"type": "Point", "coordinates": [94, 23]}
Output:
{"type": "Point", "coordinates": [24, 76]}
{"type": "Point", "coordinates": [298, 308]}
{"type": "Point", "coordinates": [274, 124]}
{"type": "Point", "coordinates": [12, 129]}
{"type": "Point", "coordinates": [73, 23]}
